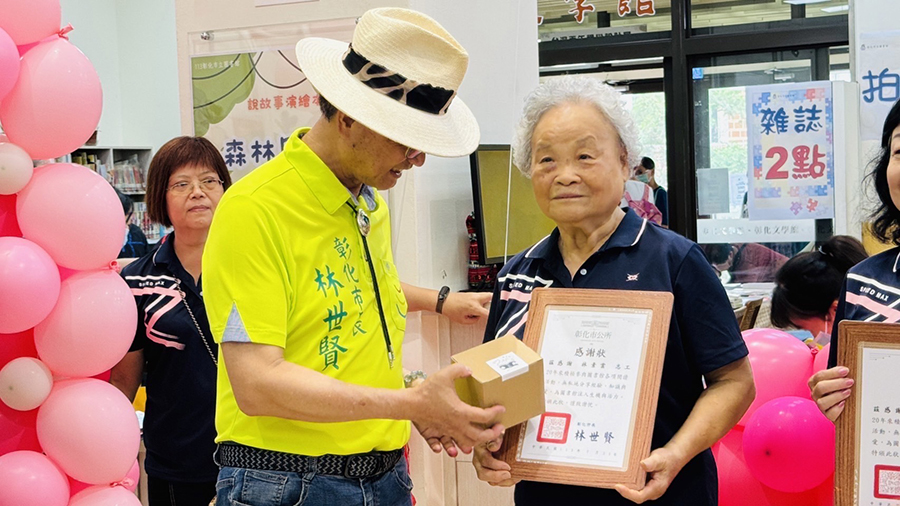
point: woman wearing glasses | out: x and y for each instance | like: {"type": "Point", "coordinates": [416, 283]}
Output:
{"type": "Point", "coordinates": [173, 345]}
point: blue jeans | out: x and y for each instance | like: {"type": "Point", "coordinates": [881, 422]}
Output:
{"type": "Point", "coordinates": [250, 487]}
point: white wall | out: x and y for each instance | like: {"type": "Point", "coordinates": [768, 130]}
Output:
{"type": "Point", "coordinates": [132, 47]}
{"type": "Point", "coordinates": [148, 72]}
{"type": "Point", "coordinates": [96, 35]}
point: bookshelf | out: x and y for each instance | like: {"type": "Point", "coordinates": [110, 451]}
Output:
{"type": "Point", "coordinates": [125, 167]}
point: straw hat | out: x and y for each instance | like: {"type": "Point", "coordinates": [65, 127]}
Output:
{"type": "Point", "coordinates": [399, 77]}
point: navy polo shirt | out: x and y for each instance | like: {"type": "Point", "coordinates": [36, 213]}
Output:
{"type": "Point", "coordinates": [179, 429]}
{"type": "Point", "coordinates": [871, 293]}
{"type": "Point", "coordinates": [703, 335]}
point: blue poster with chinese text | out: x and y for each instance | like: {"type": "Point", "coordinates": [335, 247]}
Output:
{"type": "Point", "coordinates": [791, 155]}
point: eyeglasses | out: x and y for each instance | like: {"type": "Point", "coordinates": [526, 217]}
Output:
{"type": "Point", "coordinates": [184, 187]}
{"type": "Point", "coordinates": [412, 154]}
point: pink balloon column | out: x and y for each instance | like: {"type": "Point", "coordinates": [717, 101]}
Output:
{"type": "Point", "coordinates": [89, 428]}
{"type": "Point", "coordinates": [55, 105]}
{"type": "Point", "coordinates": [781, 365]}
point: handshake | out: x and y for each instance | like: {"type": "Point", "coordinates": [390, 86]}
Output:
{"type": "Point", "coordinates": [445, 421]}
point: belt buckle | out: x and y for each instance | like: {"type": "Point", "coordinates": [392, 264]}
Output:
{"type": "Point", "coordinates": [348, 464]}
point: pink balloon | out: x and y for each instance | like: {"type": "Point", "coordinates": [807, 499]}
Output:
{"type": "Point", "coordinates": [18, 430]}
{"type": "Point", "coordinates": [132, 478]}
{"type": "Point", "coordinates": [786, 435]}
{"type": "Point", "coordinates": [9, 225]}
{"type": "Point", "coordinates": [9, 63]}
{"type": "Point", "coordinates": [89, 428]}
{"type": "Point", "coordinates": [55, 105]}
{"type": "Point", "coordinates": [29, 284]}
{"type": "Point", "coordinates": [20, 344]}
{"type": "Point", "coordinates": [25, 383]}
{"type": "Point", "coordinates": [82, 231]}
{"type": "Point", "coordinates": [29, 20]}
{"type": "Point", "coordinates": [31, 478]}
{"type": "Point", "coordinates": [781, 364]}
{"type": "Point", "coordinates": [91, 327]}
{"type": "Point", "coordinates": [130, 482]}
{"type": "Point", "coordinates": [738, 487]}
{"type": "Point", "coordinates": [16, 168]}
{"type": "Point", "coordinates": [820, 361]}
{"type": "Point", "coordinates": [105, 495]}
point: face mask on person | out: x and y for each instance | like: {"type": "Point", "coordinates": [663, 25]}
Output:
{"type": "Point", "coordinates": [644, 178]}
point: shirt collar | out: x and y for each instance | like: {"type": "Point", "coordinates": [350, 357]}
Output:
{"type": "Point", "coordinates": [165, 253]}
{"type": "Point", "coordinates": [896, 261]}
{"type": "Point", "coordinates": [327, 188]}
{"type": "Point", "coordinates": [626, 235]}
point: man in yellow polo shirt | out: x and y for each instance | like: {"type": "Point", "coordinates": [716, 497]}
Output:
{"type": "Point", "coordinates": [302, 292]}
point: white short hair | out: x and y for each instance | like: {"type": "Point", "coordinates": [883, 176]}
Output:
{"type": "Point", "coordinates": [573, 89]}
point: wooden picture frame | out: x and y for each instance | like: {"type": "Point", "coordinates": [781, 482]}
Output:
{"type": "Point", "coordinates": [863, 347]}
{"type": "Point", "coordinates": [656, 307]}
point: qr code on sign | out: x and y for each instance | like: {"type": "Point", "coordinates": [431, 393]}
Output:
{"type": "Point", "coordinates": [554, 428]}
{"type": "Point", "coordinates": [887, 482]}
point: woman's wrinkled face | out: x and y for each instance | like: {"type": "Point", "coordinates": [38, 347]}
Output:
{"type": "Point", "coordinates": [578, 165]}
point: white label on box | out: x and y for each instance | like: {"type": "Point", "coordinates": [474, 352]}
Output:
{"type": "Point", "coordinates": [508, 366]}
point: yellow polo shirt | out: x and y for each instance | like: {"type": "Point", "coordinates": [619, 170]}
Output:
{"type": "Point", "coordinates": [285, 265]}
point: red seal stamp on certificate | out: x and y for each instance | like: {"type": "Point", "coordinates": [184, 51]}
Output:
{"type": "Point", "coordinates": [554, 428]}
{"type": "Point", "coordinates": [887, 482]}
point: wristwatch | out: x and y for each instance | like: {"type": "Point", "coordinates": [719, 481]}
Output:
{"type": "Point", "coordinates": [442, 296]}
{"type": "Point", "coordinates": [411, 376]}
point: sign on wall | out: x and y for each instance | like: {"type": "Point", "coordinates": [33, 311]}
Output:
{"type": "Point", "coordinates": [248, 104]}
{"type": "Point", "coordinates": [879, 80]}
{"type": "Point", "coordinates": [791, 163]}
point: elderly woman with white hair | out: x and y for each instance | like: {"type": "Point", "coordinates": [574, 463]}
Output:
{"type": "Point", "coordinates": [577, 144]}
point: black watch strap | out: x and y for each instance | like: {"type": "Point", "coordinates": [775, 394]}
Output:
{"type": "Point", "coordinates": [442, 296]}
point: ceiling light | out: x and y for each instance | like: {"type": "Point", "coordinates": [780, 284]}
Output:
{"type": "Point", "coordinates": [568, 66]}
{"type": "Point", "coordinates": [836, 8]}
{"type": "Point", "coordinates": [805, 2]}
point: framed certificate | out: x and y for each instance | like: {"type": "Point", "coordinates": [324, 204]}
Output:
{"type": "Point", "coordinates": [867, 463]}
{"type": "Point", "coordinates": [603, 354]}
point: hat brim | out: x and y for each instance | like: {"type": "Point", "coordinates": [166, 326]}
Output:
{"type": "Point", "coordinates": [454, 133]}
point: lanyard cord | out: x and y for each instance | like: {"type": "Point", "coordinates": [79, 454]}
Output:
{"type": "Point", "coordinates": [384, 328]}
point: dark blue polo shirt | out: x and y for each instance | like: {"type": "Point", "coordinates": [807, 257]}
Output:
{"type": "Point", "coordinates": [179, 429]}
{"type": "Point", "coordinates": [703, 336]}
{"type": "Point", "coordinates": [871, 293]}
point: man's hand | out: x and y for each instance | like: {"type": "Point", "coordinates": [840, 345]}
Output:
{"type": "Point", "coordinates": [466, 307]}
{"type": "Point", "coordinates": [662, 466]}
{"type": "Point", "coordinates": [495, 472]}
{"type": "Point", "coordinates": [830, 388]}
{"type": "Point", "coordinates": [443, 419]}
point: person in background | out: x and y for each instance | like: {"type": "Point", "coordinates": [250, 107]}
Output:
{"type": "Point", "coordinates": [173, 344]}
{"type": "Point", "coordinates": [575, 142]}
{"type": "Point", "coordinates": [313, 406]}
{"type": "Point", "coordinates": [645, 172]}
{"type": "Point", "coordinates": [744, 262]}
{"type": "Point", "coordinates": [135, 241]}
{"type": "Point", "coordinates": [871, 290]}
{"type": "Point", "coordinates": [808, 285]}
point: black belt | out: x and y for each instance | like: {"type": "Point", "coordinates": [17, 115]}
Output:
{"type": "Point", "coordinates": [359, 465]}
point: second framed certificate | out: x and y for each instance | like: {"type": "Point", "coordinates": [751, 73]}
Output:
{"type": "Point", "coordinates": [603, 354]}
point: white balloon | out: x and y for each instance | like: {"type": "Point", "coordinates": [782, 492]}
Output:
{"type": "Point", "coordinates": [25, 383]}
{"type": "Point", "coordinates": [16, 168]}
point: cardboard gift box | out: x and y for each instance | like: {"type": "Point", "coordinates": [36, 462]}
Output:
{"type": "Point", "coordinates": [505, 371]}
